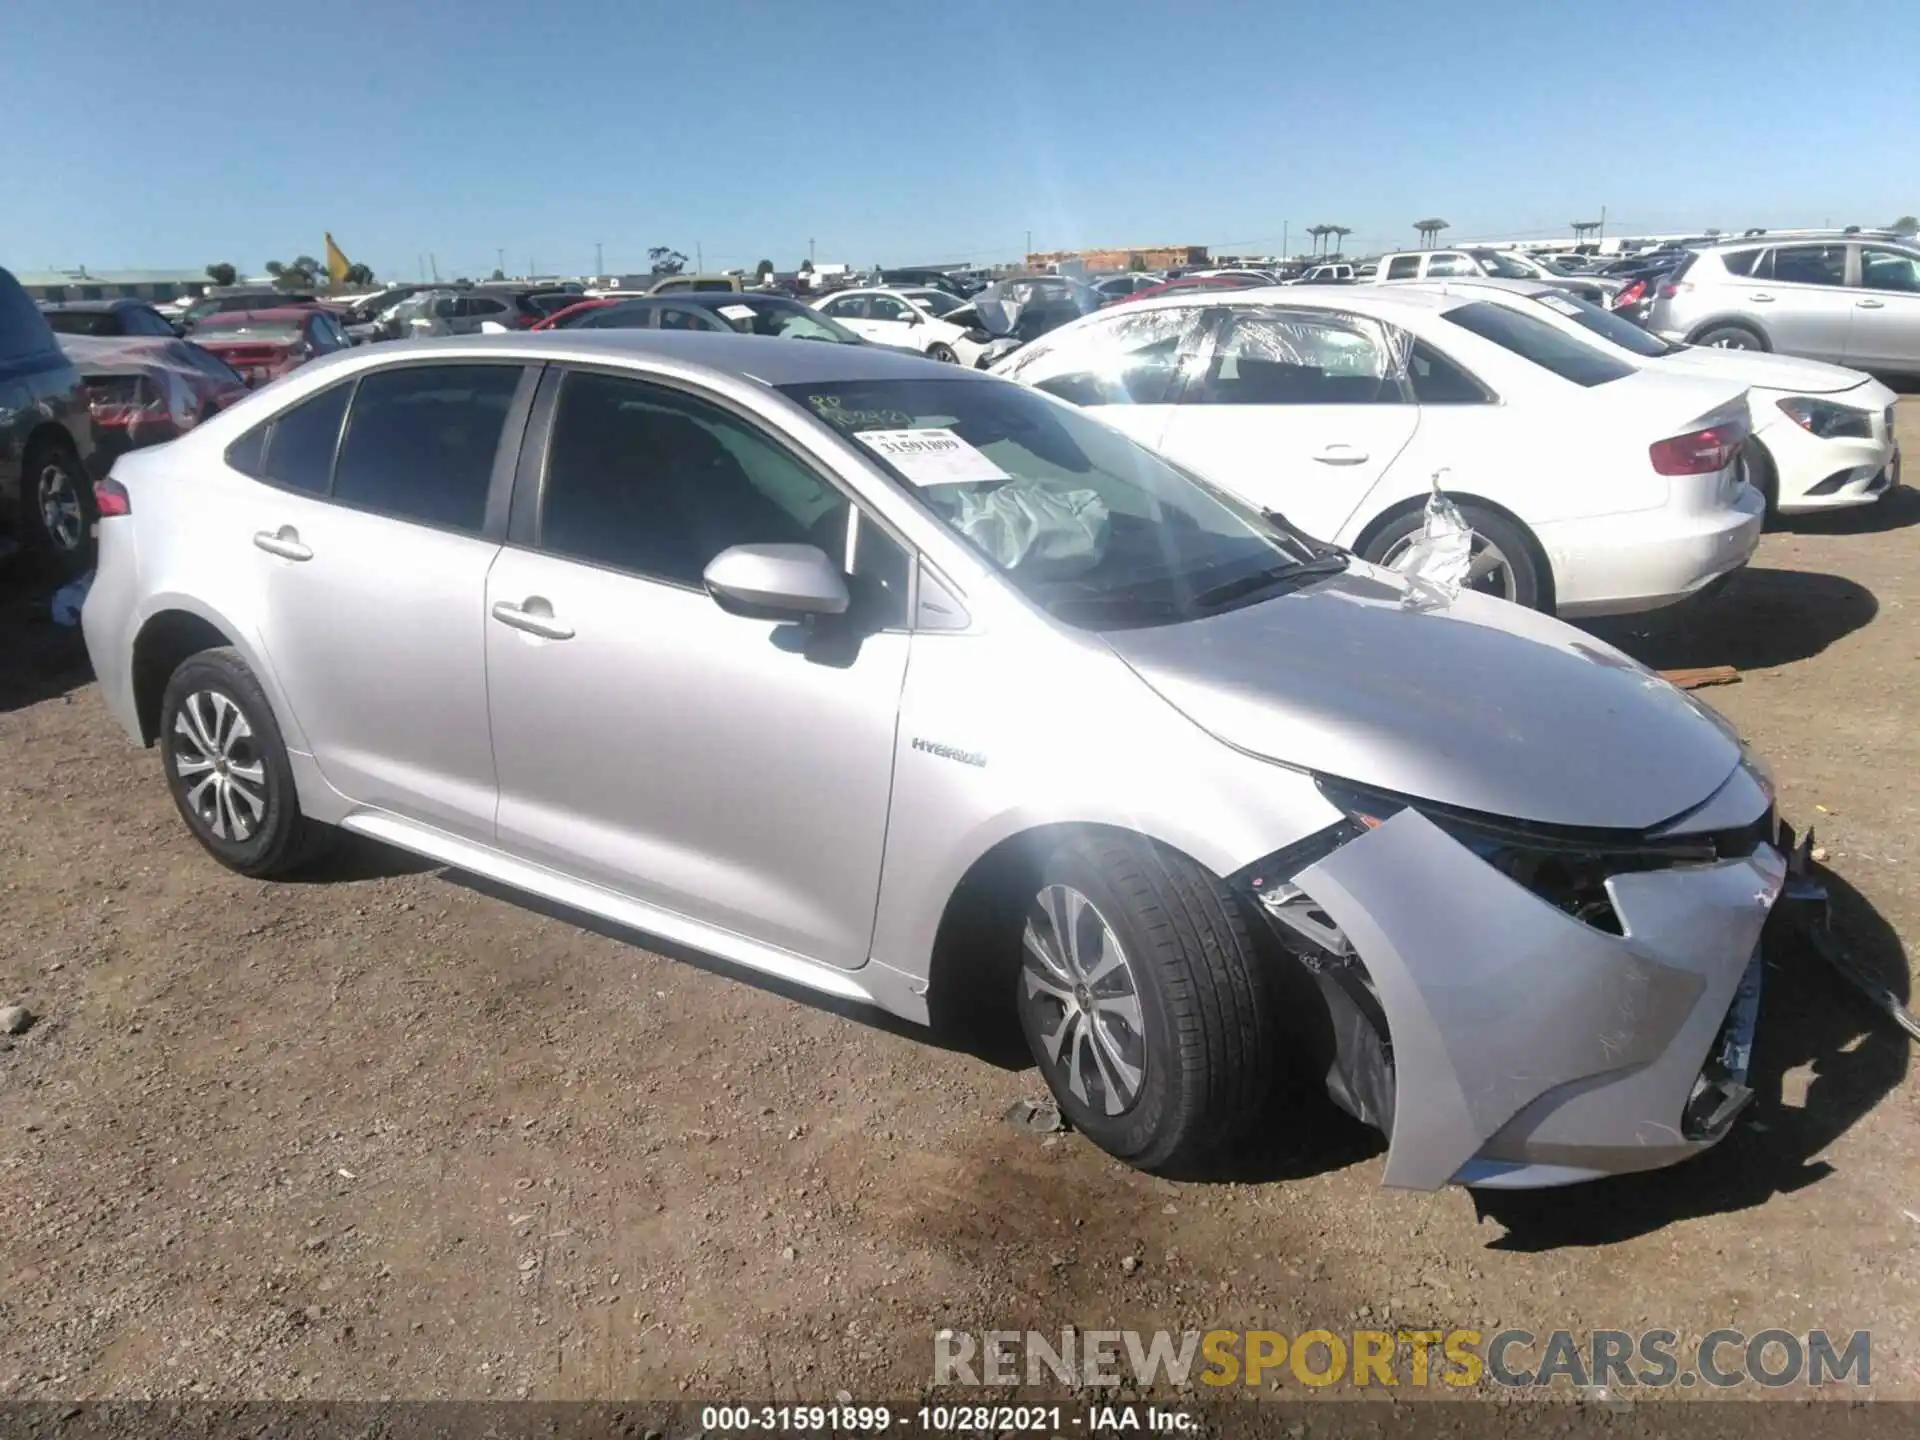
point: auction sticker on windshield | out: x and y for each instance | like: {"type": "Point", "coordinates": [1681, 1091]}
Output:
{"type": "Point", "coordinates": [737, 312]}
{"type": "Point", "coordinates": [931, 457]}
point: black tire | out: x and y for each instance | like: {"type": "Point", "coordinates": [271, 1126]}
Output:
{"type": "Point", "coordinates": [1730, 337]}
{"type": "Point", "coordinates": [1762, 475]}
{"type": "Point", "coordinates": [1206, 1052]}
{"type": "Point", "coordinates": [57, 506]}
{"type": "Point", "coordinates": [1529, 586]}
{"type": "Point", "coordinates": [201, 701]}
{"type": "Point", "coordinates": [943, 353]}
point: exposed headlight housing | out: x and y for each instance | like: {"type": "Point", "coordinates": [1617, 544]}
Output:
{"type": "Point", "coordinates": [1827, 421]}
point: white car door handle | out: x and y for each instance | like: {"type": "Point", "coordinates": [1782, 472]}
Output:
{"type": "Point", "coordinates": [1341, 455]}
{"type": "Point", "coordinates": [534, 622]}
{"type": "Point", "coordinates": [284, 542]}
{"type": "Point", "coordinates": [1871, 304]}
{"type": "Point", "coordinates": [1760, 297]}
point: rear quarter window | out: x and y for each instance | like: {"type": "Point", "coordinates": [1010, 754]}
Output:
{"type": "Point", "coordinates": [1739, 262]}
{"type": "Point", "coordinates": [1538, 341]}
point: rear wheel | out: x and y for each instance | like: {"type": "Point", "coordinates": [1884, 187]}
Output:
{"type": "Point", "coordinates": [943, 353]}
{"type": "Point", "coordinates": [1144, 1003]}
{"type": "Point", "coordinates": [1503, 564]}
{"type": "Point", "coordinates": [1761, 474]}
{"type": "Point", "coordinates": [228, 771]}
{"type": "Point", "coordinates": [1730, 337]}
{"type": "Point", "coordinates": [58, 501]}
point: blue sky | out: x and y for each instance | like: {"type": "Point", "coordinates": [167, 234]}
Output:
{"type": "Point", "coordinates": [181, 133]}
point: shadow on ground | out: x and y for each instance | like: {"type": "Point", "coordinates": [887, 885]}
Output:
{"type": "Point", "coordinates": [1821, 1060]}
{"type": "Point", "coordinates": [1760, 619]}
{"type": "Point", "coordinates": [39, 660]}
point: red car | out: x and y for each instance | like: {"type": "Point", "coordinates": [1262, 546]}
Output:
{"type": "Point", "coordinates": [567, 318]}
{"type": "Point", "coordinates": [143, 390]}
{"type": "Point", "coordinates": [263, 345]}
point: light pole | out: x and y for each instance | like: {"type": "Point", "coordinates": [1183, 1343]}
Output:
{"type": "Point", "coordinates": [599, 265]}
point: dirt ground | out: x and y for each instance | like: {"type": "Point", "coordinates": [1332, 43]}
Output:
{"type": "Point", "coordinates": [386, 1133]}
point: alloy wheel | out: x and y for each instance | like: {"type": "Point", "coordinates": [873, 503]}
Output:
{"type": "Point", "coordinates": [222, 773]}
{"type": "Point", "coordinates": [1488, 569]}
{"type": "Point", "coordinates": [62, 515]}
{"type": "Point", "coordinates": [1077, 981]}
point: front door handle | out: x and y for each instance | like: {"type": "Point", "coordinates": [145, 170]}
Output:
{"type": "Point", "coordinates": [1761, 297]}
{"type": "Point", "coordinates": [1341, 455]}
{"type": "Point", "coordinates": [1871, 304]}
{"type": "Point", "coordinates": [534, 615]}
{"type": "Point", "coordinates": [284, 542]}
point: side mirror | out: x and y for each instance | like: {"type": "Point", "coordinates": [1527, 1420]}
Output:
{"type": "Point", "coordinates": [776, 582]}
{"type": "Point", "coordinates": [914, 317]}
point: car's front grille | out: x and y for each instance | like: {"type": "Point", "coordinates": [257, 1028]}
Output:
{"type": "Point", "coordinates": [1720, 1092]}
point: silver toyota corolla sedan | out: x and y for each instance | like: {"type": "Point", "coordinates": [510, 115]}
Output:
{"type": "Point", "coordinates": [921, 688]}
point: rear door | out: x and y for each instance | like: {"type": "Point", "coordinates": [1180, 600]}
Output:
{"type": "Point", "coordinates": [1800, 295]}
{"type": "Point", "coordinates": [892, 322]}
{"type": "Point", "coordinates": [851, 311]}
{"type": "Point", "coordinates": [382, 508]}
{"type": "Point", "coordinates": [1885, 333]}
{"type": "Point", "coordinates": [1300, 411]}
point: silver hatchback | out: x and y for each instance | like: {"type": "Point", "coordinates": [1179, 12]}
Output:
{"type": "Point", "coordinates": [1848, 300]}
{"type": "Point", "coordinates": [915, 687]}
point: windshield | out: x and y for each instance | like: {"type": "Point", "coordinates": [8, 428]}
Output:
{"type": "Point", "coordinates": [1608, 326]}
{"type": "Point", "coordinates": [1094, 528]}
{"type": "Point", "coordinates": [219, 327]}
{"type": "Point", "coordinates": [935, 302]}
{"type": "Point", "coordinates": [1495, 262]}
{"type": "Point", "coordinates": [82, 322]}
{"type": "Point", "coordinates": [788, 319]}
{"type": "Point", "coordinates": [1546, 345]}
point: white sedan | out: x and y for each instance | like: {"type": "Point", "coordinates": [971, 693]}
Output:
{"type": "Point", "coordinates": [907, 318]}
{"type": "Point", "coordinates": [1822, 434]}
{"type": "Point", "coordinates": [1594, 486]}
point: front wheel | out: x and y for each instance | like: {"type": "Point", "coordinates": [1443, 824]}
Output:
{"type": "Point", "coordinates": [943, 353]}
{"type": "Point", "coordinates": [228, 771]}
{"type": "Point", "coordinates": [1729, 337]}
{"type": "Point", "coordinates": [1502, 563]}
{"type": "Point", "coordinates": [58, 501]}
{"type": "Point", "coordinates": [1144, 1004]}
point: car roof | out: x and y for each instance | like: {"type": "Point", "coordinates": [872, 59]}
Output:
{"type": "Point", "coordinates": [227, 318]}
{"type": "Point", "coordinates": [1440, 284]}
{"type": "Point", "coordinates": [94, 307]}
{"type": "Point", "coordinates": [1385, 300]}
{"type": "Point", "coordinates": [764, 358]}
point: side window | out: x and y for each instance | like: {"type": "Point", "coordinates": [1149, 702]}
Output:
{"type": "Point", "coordinates": [1897, 270]}
{"type": "Point", "coordinates": [1129, 358]}
{"type": "Point", "coordinates": [1438, 381]}
{"type": "Point", "coordinates": [1442, 266]}
{"type": "Point", "coordinates": [684, 317]}
{"type": "Point", "coordinates": [1739, 262]}
{"type": "Point", "coordinates": [420, 442]}
{"type": "Point", "coordinates": [849, 307]}
{"type": "Point", "coordinates": [648, 480]}
{"type": "Point", "coordinates": [885, 307]}
{"type": "Point", "coordinates": [1403, 267]}
{"type": "Point", "coordinates": [1810, 264]}
{"type": "Point", "coordinates": [1302, 358]}
{"type": "Point", "coordinates": [295, 449]}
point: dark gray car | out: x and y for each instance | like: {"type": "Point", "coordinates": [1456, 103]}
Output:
{"type": "Point", "coordinates": [46, 437]}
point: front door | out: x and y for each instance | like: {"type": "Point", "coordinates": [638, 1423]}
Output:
{"type": "Point", "coordinates": [1885, 334]}
{"type": "Point", "coordinates": [374, 567]}
{"type": "Point", "coordinates": [1127, 366]}
{"type": "Point", "coordinates": [1299, 411]}
{"type": "Point", "coordinates": [727, 770]}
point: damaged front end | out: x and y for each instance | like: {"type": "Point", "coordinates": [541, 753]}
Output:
{"type": "Point", "coordinates": [1522, 1005]}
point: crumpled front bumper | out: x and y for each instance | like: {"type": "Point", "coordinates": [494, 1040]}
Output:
{"type": "Point", "coordinates": [1529, 1048]}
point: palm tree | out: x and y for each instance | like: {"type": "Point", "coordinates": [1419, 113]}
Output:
{"type": "Point", "coordinates": [1340, 233]}
{"type": "Point", "coordinates": [1429, 231]}
{"type": "Point", "coordinates": [1319, 233]}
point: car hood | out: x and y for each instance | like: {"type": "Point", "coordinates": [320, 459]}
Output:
{"type": "Point", "coordinates": [1769, 372]}
{"type": "Point", "coordinates": [1472, 702]}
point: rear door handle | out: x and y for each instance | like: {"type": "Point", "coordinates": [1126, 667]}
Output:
{"type": "Point", "coordinates": [1871, 304]}
{"type": "Point", "coordinates": [1761, 297]}
{"type": "Point", "coordinates": [535, 616]}
{"type": "Point", "coordinates": [284, 542]}
{"type": "Point", "coordinates": [1341, 455]}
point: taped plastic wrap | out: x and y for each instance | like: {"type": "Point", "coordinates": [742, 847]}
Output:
{"type": "Point", "coordinates": [68, 599]}
{"type": "Point", "coordinates": [143, 389]}
{"type": "Point", "coordinates": [1027, 309]}
{"type": "Point", "coordinates": [1441, 553]}
{"type": "Point", "coordinates": [420, 316]}
{"type": "Point", "coordinates": [1290, 357]}
{"type": "Point", "coordinates": [1040, 533]}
